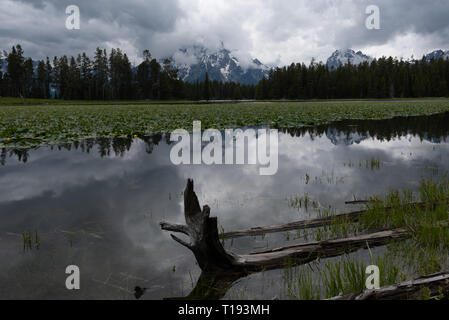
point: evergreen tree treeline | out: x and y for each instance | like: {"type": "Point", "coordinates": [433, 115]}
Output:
{"type": "Point", "coordinates": [108, 76]}
{"type": "Point", "coordinates": [383, 78]}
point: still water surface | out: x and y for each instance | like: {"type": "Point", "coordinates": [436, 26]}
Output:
{"type": "Point", "coordinates": [98, 204]}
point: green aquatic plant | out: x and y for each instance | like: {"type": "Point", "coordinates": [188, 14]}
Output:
{"type": "Point", "coordinates": [27, 240]}
{"type": "Point", "coordinates": [300, 284]}
{"type": "Point", "coordinates": [299, 202]}
{"type": "Point", "coordinates": [30, 240]}
{"type": "Point", "coordinates": [37, 240]}
{"type": "Point", "coordinates": [37, 125]}
{"type": "Point", "coordinates": [425, 219]}
{"type": "Point", "coordinates": [375, 163]}
{"type": "Point", "coordinates": [424, 294]}
{"type": "Point", "coordinates": [389, 270]}
{"type": "Point", "coordinates": [425, 214]}
{"type": "Point", "coordinates": [343, 277]}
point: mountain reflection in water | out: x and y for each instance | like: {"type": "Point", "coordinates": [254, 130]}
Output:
{"type": "Point", "coordinates": [97, 203]}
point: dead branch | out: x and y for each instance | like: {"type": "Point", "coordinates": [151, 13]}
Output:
{"type": "Point", "coordinates": [434, 286]}
{"type": "Point", "coordinates": [212, 257]}
{"type": "Point", "coordinates": [351, 217]}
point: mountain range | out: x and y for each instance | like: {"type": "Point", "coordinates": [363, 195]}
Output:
{"type": "Point", "coordinates": [338, 137]}
{"type": "Point", "coordinates": [221, 65]}
{"type": "Point", "coordinates": [341, 57]}
{"type": "Point", "coordinates": [437, 54]}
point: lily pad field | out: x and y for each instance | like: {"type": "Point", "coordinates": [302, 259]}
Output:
{"type": "Point", "coordinates": [38, 125]}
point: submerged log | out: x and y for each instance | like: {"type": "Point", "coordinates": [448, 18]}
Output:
{"type": "Point", "coordinates": [358, 201]}
{"type": "Point", "coordinates": [213, 258]}
{"type": "Point", "coordinates": [351, 217]}
{"type": "Point", "coordinates": [297, 225]}
{"type": "Point", "coordinates": [434, 286]}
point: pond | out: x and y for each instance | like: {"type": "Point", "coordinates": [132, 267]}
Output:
{"type": "Point", "coordinates": [98, 204]}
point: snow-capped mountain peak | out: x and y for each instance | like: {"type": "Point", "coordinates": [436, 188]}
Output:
{"type": "Point", "coordinates": [220, 64]}
{"type": "Point", "coordinates": [341, 58]}
{"type": "Point", "coordinates": [337, 137]}
{"type": "Point", "coordinates": [437, 54]}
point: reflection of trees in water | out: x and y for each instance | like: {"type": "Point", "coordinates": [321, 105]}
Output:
{"type": "Point", "coordinates": [104, 146]}
{"type": "Point", "coordinates": [211, 286]}
{"type": "Point", "coordinates": [433, 128]}
{"type": "Point", "coordinates": [21, 154]}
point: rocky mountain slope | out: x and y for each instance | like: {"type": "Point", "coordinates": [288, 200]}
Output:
{"type": "Point", "coordinates": [220, 64]}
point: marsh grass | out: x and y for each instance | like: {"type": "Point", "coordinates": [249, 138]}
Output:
{"type": "Point", "coordinates": [299, 202]}
{"type": "Point", "coordinates": [30, 240]}
{"type": "Point", "coordinates": [427, 222]}
{"type": "Point", "coordinates": [343, 275]}
{"type": "Point", "coordinates": [417, 259]}
{"type": "Point", "coordinates": [425, 214]}
{"type": "Point", "coordinates": [301, 282]}
{"type": "Point", "coordinates": [426, 252]}
{"type": "Point", "coordinates": [328, 177]}
{"type": "Point", "coordinates": [373, 163]}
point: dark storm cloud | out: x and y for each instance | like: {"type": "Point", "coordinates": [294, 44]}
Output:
{"type": "Point", "coordinates": [154, 15]}
{"type": "Point", "coordinates": [399, 17]}
{"type": "Point", "coordinates": [40, 25]}
{"type": "Point", "coordinates": [273, 31]}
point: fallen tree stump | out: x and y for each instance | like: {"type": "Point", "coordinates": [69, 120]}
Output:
{"type": "Point", "coordinates": [213, 258]}
{"type": "Point", "coordinates": [434, 286]}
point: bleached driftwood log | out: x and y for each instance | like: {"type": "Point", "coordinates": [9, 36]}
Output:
{"type": "Point", "coordinates": [351, 217]}
{"type": "Point", "coordinates": [297, 225]}
{"type": "Point", "coordinates": [213, 258]}
{"type": "Point", "coordinates": [429, 287]}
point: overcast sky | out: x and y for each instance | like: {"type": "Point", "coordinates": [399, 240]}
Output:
{"type": "Point", "coordinates": [274, 31]}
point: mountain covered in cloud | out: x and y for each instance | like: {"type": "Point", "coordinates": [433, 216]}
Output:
{"type": "Point", "coordinates": [341, 58]}
{"type": "Point", "coordinates": [437, 54]}
{"type": "Point", "coordinates": [220, 64]}
{"type": "Point", "coordinates": [338, 137]}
